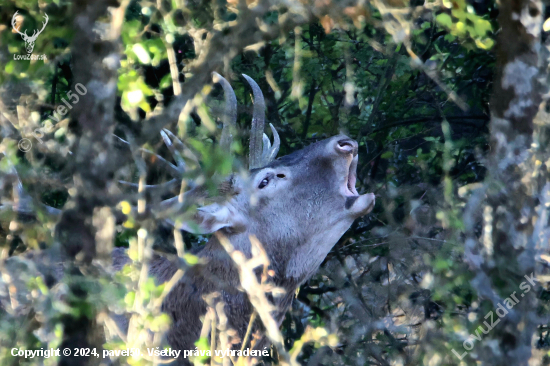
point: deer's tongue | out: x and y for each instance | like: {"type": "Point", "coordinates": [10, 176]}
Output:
{"type": "Point", "coordinates": [352, 177]}
{"type": "Point", "coordinates": [349, 185]}
{"type": "Point", "coordinates": [360, 205]}
{"type": "Point", "coordinates": [356, 204]}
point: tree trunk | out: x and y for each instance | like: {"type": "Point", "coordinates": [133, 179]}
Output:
{"type": "Point", "coordinates": [95, 64]}
{"type": "Point", "coordinates": [516, 190]}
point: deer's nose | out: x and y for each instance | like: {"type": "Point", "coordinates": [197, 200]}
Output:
{"type": "Point", "coordinates": [346, 146]}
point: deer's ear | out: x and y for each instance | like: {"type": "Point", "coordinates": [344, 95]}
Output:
{"type": "Point", "coordinates": [214, 217]}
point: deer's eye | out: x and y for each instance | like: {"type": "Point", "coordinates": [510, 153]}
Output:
{"type": "Point", "coordinates": [263, 183]}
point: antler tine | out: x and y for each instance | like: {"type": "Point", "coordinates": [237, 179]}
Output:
{"type": "Point", "coordinates": [23, 203]}
{"type": "Point", "coordinates": [181, 147]}
{"type": "Point", "coordinates": [174, 170]}
{"type": "Point", "coordinates": [230, 113]}
{"type": "Point", "coordinates": [258, 121]}
{"type": "Point", "coordinates": [13, 24]}
{"type": "Point", "coordinates": [266, 148]}
{"type": "Point", "coordinates": [175, 154]}
{"type": "Point", "coordinates": [44, 23]}
{"type": "Point", "coordinates": [271, 153]}
{"type": "Point", "coordinates": [162, 187]}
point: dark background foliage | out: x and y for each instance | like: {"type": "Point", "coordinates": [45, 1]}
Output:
{"type": "Point", "coordinates": [411, 84]}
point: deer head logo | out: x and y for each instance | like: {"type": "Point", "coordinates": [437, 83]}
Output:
{"type": "Point", "coordinates": [29, 40]}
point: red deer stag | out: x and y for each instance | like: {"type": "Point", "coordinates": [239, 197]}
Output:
{"type": "Point", "coordinates": [297, 206]}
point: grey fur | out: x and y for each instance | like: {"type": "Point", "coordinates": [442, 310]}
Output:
{"type": "Point", "coordinates": [298, 217]}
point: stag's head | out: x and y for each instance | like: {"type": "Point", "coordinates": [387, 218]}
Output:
{"type": "Point", "coordinates": [29, 40]}
{"type": "Point", "coordinates": [298, 205]}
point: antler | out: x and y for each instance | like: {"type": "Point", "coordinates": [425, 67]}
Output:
{"type": "Point", "coordinates": [35, 34]}
{"type": "Point", "coordinates": [179, 152]}
{"type": "Point", "coordinates": [230, 113]}
{"type": "Point", "coordinates": [258, 121]}
{"type": "Point", "coordinates": [261, 153]}
{"type": "Point", "coordinates": [260, 156]}
{"type": "Point", "coordinates": [13, 23]}
{"type": "Point", "coordinates": [44, 23]}
{"type": "Point", "coordinates": [270, 153]}
{"type": "Point", "coordinates": [23, 204]}
{"type": "Point", "coordinates": [176, 171]}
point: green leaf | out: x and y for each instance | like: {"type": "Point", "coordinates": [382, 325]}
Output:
{"type": "Point", "coordinates": [191, 259]}
{"type": "Point", "coordinates": [130, 298]}
{"type": "Point", "coordinates": [444, 19]}
{"type": "Point", "coordinates": [10, 67]}
{"type": "Point", "coordinates": [485, 43]}
{"type": "Point", "coordinates": [482, 26]}
{"type": "Point", "coordinates": [166, 81]}
{"type": "Point", "coordinates": [160, 323]}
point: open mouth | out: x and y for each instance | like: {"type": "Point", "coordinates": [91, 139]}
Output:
{"type": "Point", "coordinates": [351, 178]}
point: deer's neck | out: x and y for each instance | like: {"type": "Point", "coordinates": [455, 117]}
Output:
{"type": "Point", "coordinates": [280, 255]}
